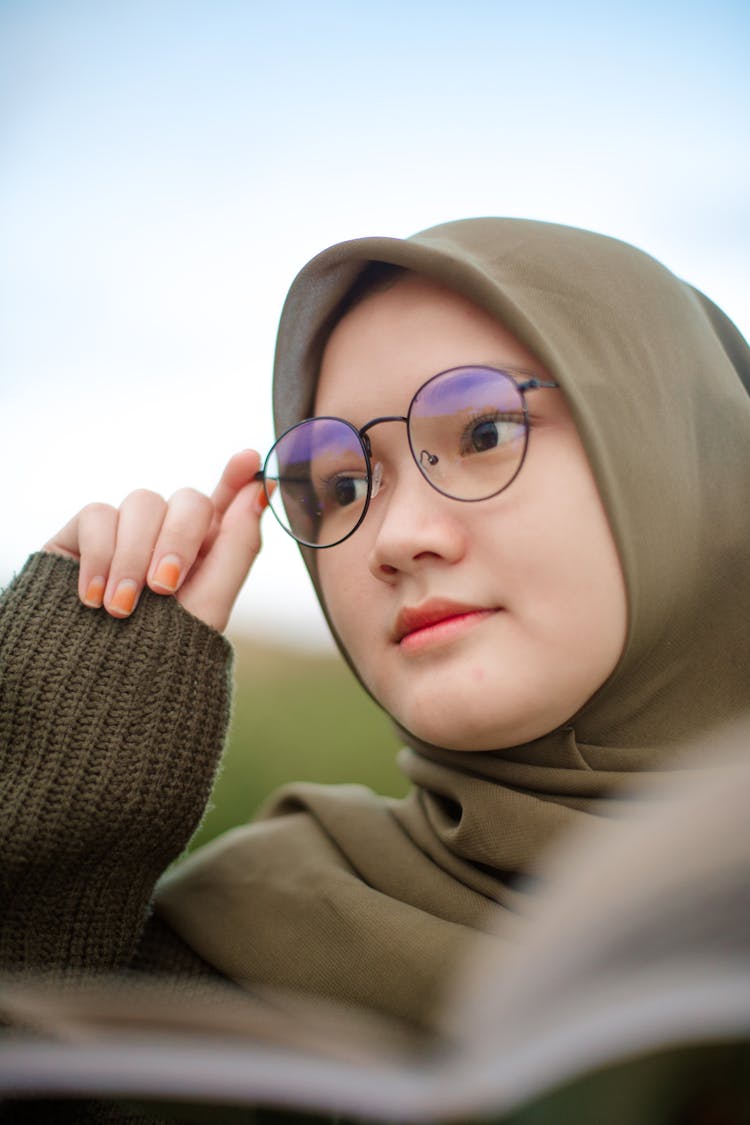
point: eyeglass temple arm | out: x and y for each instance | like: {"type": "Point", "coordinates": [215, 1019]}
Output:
{"type": "Point", "coordinates": [536, 385]}
{"type": "Point", "coordinates": [260, 477]}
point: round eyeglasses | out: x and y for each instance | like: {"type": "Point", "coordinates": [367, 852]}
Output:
{"type": "Point", "coordinates": [468, 431]}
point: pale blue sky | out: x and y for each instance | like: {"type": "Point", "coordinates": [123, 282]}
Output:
{"type": "Point", "coordinates": [166, 167]}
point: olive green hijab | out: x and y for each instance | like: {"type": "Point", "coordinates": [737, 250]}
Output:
{"type": "Point", "coordinates": [371, 901]}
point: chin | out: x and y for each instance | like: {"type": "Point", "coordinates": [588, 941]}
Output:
{"type": "Point", "coordinates": [463, 708]}
{"type": "Point", "coordinates": [458, 721]}
{"type": "Point", "coordinates": [455, 732]}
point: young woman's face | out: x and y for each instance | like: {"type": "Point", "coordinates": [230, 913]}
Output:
{"type": "Point", "coordinates": [520, 598]}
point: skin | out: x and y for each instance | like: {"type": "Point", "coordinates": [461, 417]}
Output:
{"type": "Point", "coordinates": [539, 559]}
{"type": "Point", "coordinates": [207, 543]}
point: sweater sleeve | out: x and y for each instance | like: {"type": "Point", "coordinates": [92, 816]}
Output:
{"type": "Point", "coordinates": [110, 735]}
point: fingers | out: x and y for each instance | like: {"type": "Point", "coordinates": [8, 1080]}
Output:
{"type": "Point", "coordinates": [97, 537]}
{"type": "Point", "coordinates": [140, 519]}
{"type": "Point", "coordinates": [146, 540]}
{"type": "Point", "coordinates": [185, 526]}
{"type": "Point", "coordinates": [238, 474]}
{"type": "Point", "coordinates": [198, 548]}
{"type": "Point", "coordinates": [90, 538]}
{"type": "Point", "coordinates": [231, 545]}
{"type": "Point", "coordinates": [157, 542]}
{"type": "Point", "coordinates": [212, 588]}
{"type": "Point", "coordinates": [239, 471]}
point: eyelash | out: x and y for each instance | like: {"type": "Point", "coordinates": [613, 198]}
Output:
{"type": "Point", "coordinates": [489, 416]}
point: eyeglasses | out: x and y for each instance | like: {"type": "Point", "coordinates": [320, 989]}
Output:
{"type": "Point", "coordinates": [468, 431]}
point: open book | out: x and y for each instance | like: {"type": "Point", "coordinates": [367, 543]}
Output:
{"type": "Point", "coordinates": [640, 949]}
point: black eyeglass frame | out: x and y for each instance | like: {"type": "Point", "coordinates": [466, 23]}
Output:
{"type": "Point", "coordinates": [530, 383]}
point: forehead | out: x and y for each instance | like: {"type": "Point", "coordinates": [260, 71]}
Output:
{"type": "Point", "coordinates": [395, 339]}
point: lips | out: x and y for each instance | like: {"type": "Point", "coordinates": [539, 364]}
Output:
{"type": "Point", "coordinates": [434, 612]}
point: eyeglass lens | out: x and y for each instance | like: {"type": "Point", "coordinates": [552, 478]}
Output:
{"type": "Point", "coordinates": [467, 431]}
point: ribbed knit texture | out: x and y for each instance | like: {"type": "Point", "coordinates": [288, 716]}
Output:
{"type": "Point", "coordinates": [110, 735]}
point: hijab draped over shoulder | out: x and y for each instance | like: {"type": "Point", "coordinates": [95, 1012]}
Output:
{"type": "Point", "coordinates": [336, 891]}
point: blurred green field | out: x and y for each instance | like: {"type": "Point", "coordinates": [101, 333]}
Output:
{"type": "Point", "coordinates": [297, 717]}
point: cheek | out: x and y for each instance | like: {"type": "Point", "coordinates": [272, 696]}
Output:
{"type": "Point", "coordinates": [343, 573]}
{"type": "Point", "coordinates": [360, 610]}
{"type": "Point", "coordinates": [556, 556]}
{"type": "Point", "coordinates": [586, 588]}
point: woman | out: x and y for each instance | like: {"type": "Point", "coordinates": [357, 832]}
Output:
{"type": "Point", "coordinates": [526, 520]}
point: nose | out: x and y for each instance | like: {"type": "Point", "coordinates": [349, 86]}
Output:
{"type": "Point", "coordinates": [413, 526]}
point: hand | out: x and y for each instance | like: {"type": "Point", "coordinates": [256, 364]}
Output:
{"type": "Point", "coordinates": [197, 548]}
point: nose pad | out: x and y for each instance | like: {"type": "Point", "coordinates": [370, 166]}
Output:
{"type": "Point", "coordinates": [377, 479]}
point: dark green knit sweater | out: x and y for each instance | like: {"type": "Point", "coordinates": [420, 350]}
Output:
{"type": "Point", "coordinates": [110, 736]}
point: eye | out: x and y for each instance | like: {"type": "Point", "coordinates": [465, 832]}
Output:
{"type": "Point", "coordinates": [343, 490]}
{"type": "Point", "coordinates": [484, 436]}
{"type": "Point", "coordinates": [488, 433]}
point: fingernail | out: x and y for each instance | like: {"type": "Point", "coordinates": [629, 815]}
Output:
{"type": "Point", "coordinates": [167, 573]}
{"type": "Point", "coordinates": [124, 597]}
{"type": "Point", "coordinates": [262, 501]}
{"type": "Point", "coordinates": [95, 593]}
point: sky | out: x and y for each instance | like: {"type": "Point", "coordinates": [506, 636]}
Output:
{"type": "Point", "coordinates": [167, 167]}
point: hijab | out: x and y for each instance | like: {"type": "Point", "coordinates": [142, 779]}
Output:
{"type": "Point", "coordinates": [370, 901]}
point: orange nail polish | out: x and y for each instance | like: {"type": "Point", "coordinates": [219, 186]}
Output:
{"type": "Point", "coordinates": [262, 501]}
{"type": "Point", "coordinates": [94, 593]}
{"type": "Point", "coordinates": [125, 595]}
{"type": "Point", "coordinates": [167, 573]}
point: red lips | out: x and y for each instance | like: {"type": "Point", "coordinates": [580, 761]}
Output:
{"type": "Point", "coordinates": [432, 612]}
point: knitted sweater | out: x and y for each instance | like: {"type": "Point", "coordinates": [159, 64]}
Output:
{"type": "Point", "coordinates": [110, 735]}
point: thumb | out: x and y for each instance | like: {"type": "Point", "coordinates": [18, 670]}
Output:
{"type": "Point", "coordinates": [212, 587]}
